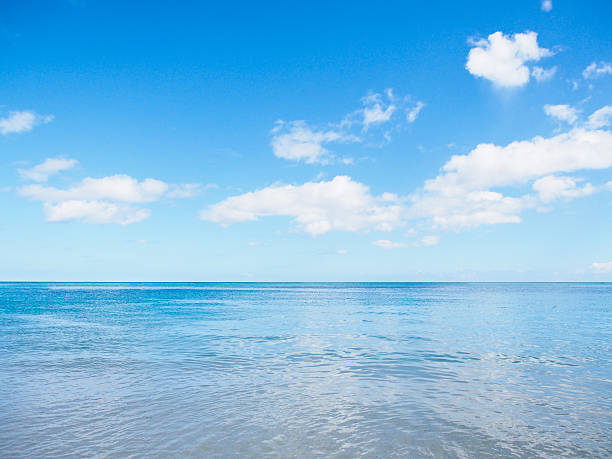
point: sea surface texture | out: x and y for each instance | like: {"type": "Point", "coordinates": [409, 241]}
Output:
{"type": "Point", "coordinates": [305, 370]}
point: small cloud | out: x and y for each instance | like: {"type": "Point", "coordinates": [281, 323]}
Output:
{"type": "Point", "coordinates": [413, 113]}
{"type": "Point", "coordinates": [188, 190]}
{"type": "Point", "coordinates": [49, 167]}
{"type": "Point", "coordinates": [376, 111]}
{"type": "Point", "coordinates": [428, 241]}
{"type": "Point", "coordinates": [377, 118]}
{"type": "Point", "coordinates": [547, 5]}
{"type": "Point", "coordinates": [387, 244]}
{"type": "Point", "coordinates": [563, 112]}
{"type": "Point", "coordinates": [595, 70]}
{"type": "Point", "coordinates": [542, 74]}
{"type": "Point", "coordinates": [604, 267]}
{"type": "Point", "coordinates": [22, 121]}
{"type": "Point", "coordinates": [254, 243]}
{"type": "Point", "coordinates": [600, 118]}
{"type": "Point", "coordinates": [341, 251]}
{"type": "Point", "coordinates": [502, 59]}
{"type": "Point", "coordinates": [297, 141]}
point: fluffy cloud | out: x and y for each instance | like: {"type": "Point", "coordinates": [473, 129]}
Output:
{"type": "Point", "coordinates": [460, 209]}
{"type": "Point", "coordinates": [604, 267]}
{"type": "Point", "coordinates": [102, 200]}
{"type": "Point", "coordinates": [565, 113]}
{"type": "Point", "coordinates": [118, 187]}
{"type": "Point", "coordinates": [463, 195]}
{"type": "Point", "coordinates": [542, 74]}
{"type": "Point", "coordinates": [380, 108]}
{"type": "Point", "coordinates": [471, 190]}
{"type": "Point", "coordinates": [317, 207]}
{"type": "Point", "coordinates": [22, 121]}
{"type": "Point", "coordinates": [501, 59]}
{"type": "Point", "coordinates": [377, 111]}
{"type": "Point", "coordinates": [491, 165]}
{"type": "Point", "coordinates": [297, 141]}
{"type": "Point", "coordinates": [547, 5]}
{"type": "Point", "coordinates": [97, 212]}
{"type": "Point", "coordinates": [50, 166]}
{"type": "Point", "coordinates": [551, 187]}
{"type": "Point", "coordinates": [595, 70]}
{"type": "Point", "coordinates": [600, 118]}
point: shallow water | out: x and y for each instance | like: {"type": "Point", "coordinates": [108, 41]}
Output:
{"type": "Point", "coordinates": [305, 370]}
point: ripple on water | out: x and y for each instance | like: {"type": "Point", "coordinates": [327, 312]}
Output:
{"type": "Point", "coordinates": [303, 370]}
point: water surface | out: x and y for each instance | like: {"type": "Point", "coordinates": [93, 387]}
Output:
{"type": "Point", "coordinates": [305, 370]}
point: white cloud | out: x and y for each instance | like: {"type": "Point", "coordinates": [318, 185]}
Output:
{"type": "Point", "coordinates": [101, 200]}
{"type": "Point", "coordinates": [413, 113]}
{"type": "Point", "coordinates": [376, 111]}
{"type": "Point", "coordinates": [492, 165]}
{"type": "Point", "coordinates": [471, 190]}
{"type": "Point", "coordinates": [462, 196]}
{"type": "Point", "coordinates": [562, 112]}
{"type": "Point", "coordinates": [379, 109]}
{"type": "Point", "coordinates": [501, 59]}
{"type": "Point", "coordinates": [50, 166]}
{"type": "Point", "coordinates": [22, 121]}
{"type": "Point", "coordinates": [551, 187]}
{"type": "Point", "coordinates": [428, 241]}
{"type": "Point", "coordinates": [317, 207]}
{"type": "Point", "coordinates": [604, 267]}
{"type": "Point", "coordinates": [341, 251]}
{"type": "Point", "coordinates": [547, 5]}
{"type": "Point", "coordinates": [386, 244]}
{"type": "Point", "coordinates": [461, 209]}
{"type": "Point", "coordinates": [97, 212]}
{"type": "Point", "coordinates": [297, 141]}
{"type": "Point", "coordinates": [118, 187]}
{"type": "Point", "coordinates": [595, 70]}
{"type": "Point", "coordinates": [600, 118]}
{"type": "Point", "coordinates": [188, 190]}
{"type": "Point", "coordinates": [542, 74]}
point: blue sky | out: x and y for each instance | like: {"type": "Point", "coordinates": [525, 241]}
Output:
{"type": "Point", "coordinates": [240, 142]}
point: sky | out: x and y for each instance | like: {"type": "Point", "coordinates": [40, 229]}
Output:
{"type": "Point", "coordinates": [305, 141]}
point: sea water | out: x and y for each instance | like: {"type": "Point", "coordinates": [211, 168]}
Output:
{"type": "Point", "coordinates": [305, 370]}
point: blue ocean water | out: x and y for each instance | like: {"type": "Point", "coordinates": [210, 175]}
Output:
{"type": "Point", "coordinates": [305, 370]}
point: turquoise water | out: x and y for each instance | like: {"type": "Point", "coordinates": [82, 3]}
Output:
{"type": "Point", "coordinates": [305, 370]}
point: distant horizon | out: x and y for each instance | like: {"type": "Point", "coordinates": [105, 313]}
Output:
{"type": "Point", "coordinates": [304, 282]}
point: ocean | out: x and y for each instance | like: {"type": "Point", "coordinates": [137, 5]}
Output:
{"type": "Point", "coordinates": [305, 370]}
